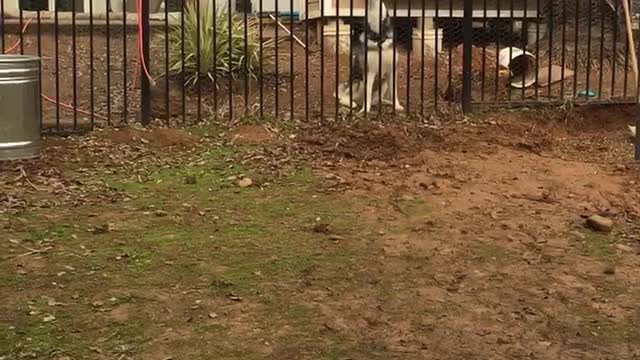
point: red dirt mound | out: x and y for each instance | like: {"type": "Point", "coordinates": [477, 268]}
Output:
{"type": "Point", "coordinates": [251, 134]}
{"type": "Point", "coordinates": [366, 141]}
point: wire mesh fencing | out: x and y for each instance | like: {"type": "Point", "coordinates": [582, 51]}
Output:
{"type": "Point", "coordinates": [107, 62]}
{"type": "Point", "coordinates": [555, 51]}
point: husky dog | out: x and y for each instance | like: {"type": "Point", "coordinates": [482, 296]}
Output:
{"type": "Point", "coordinates": [375, 56]}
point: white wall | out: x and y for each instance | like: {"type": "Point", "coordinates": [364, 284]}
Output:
{"type": "Point", "coordinates": [270, 5]}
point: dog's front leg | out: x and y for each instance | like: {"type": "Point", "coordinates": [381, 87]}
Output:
{"type": "Point", "coordinates": [397, 104]}
{"type": "Point", "coordinates": [368, 95]}
{"type": "Point", "coordinates": [386, 92]}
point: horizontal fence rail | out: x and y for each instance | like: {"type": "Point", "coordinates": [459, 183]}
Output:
{"type": "Point", "coordinates": [116, 61]}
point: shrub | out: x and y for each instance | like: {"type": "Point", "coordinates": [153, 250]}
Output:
{"type": "Point", "coordinates": [229, 60]}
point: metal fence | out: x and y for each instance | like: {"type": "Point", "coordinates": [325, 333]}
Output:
{"type": "Point", "coordinates": [117, 61]}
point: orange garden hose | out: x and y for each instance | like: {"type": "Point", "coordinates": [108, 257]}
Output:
{"type": "Point", "coordinates": [140, 57]}
{"type": "Point", "coordinates": [139, 61]}
{"type": "Point", "coordinates": [15, 46]}
{"type": "Point", "coordinates": [70, 107]}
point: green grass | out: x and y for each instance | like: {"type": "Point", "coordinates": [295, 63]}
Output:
{"type": "Point", "coordinates": [597, 246]}
{"type": "Point", "coordinates": [228, 240]}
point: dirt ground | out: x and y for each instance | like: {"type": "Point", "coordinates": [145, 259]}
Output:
{"type": "Point", "coordinates": [456, 238]}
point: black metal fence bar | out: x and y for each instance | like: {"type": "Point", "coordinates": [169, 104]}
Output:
{"type": "Point", "coordinates": [199, 61]}
{"type": "Point", "coordinates": [167, 100]}
{"type": "Point", "coordinates": [125, 102]}
{"type": "Point", "coordinates": [57, 61]}
{"type": "Point", "coordinates": [2, 34]}
{"type": "Point", "coordinates": [91, 66]}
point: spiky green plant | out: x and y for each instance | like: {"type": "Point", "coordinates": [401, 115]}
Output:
{"type": "Point", "coordinates": [227, 57]}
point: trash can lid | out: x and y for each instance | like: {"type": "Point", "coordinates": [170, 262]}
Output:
{"type": "Point", "coordinates": [11, 58]}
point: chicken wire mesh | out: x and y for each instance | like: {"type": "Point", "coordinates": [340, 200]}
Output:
{"type": "Point", "coordinates": [553, 51]}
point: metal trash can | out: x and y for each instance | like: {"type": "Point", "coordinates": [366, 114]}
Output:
{"type": "Point", "coordinates": [19, 107]}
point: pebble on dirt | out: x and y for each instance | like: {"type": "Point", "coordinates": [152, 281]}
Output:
{"type": "Point", "coordinates": [609, 269]}
{"type": "Point", "coordinates": [600, 223]}
{"type": "Point", "coordinates": [245, 182]}
{"type": "Point", "coordinates": [190, 180]}
{"type": "Point", "coordinates": [161, 213]}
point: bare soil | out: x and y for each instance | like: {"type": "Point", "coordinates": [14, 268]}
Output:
{"type": "Point", "coordinates": [455, 238]}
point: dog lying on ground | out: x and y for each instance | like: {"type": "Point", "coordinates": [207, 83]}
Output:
{"type": "Point", "coordinates": [375, 55]}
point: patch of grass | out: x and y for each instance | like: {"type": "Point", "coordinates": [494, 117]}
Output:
{"type": "Point", "coordinates": [252, 242]}
{"type": "Point", "coordinates": [9, 280]}
{"type": "Point", "coordinates": [606, 332]}
{"type": "Point", "coordinates": [597, 246]}
{"type": "Point", "coordinates": [490, 253]}
{"type": "Point", "coordinates": [412, 207]}
{"type": "Point", "coordinates": [54, 232]}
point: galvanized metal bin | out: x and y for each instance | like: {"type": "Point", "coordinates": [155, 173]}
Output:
{"type": "Point", "coordinates": [19, 107]}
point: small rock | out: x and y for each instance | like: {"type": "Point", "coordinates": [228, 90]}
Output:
{"type": "Point", "coordinates": [49, 318]}
{"type": "Point", "coordinates": [213, 315]}
{"type": "Point", "coordinates": [621, 167]}
{"type": "Point", "coordinates": [100, 229]}
{"type": "Point", "coordinates": [245, 182]}
{"type": "Point", "coordinates": [321, 228]}
{"type": "Point", "coordinates": [624, 248]}
{"type": "Point", "coordinates": [441, 184]}
{"type": "Point", "coordinates": [190, 180]}
{"type": "Point", "coordinates": [160, 213]}
{"type": "Point", "coordinates": [600, 223]}
{"type": "Point", "coordinates": [609, 269]}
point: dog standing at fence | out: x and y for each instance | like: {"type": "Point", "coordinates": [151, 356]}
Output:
{"type": "Point", "coordinates": [372, 59]}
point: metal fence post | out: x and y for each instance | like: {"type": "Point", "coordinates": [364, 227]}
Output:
{"type": "Point", "coordinates": [145, 85]}
{"type": "Point", "coordinates": [637, 153]}
{"type": "Point", "coordinates": [637, 103]}
{"type": "Point", "coordinates": [467, 33]}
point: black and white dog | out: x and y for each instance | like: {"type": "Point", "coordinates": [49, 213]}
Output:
{"type": "Point", "coordinates": [372, 51]}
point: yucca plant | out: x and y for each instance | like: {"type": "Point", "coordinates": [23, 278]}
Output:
{"type": "Point", "coordinates": [229, 60]}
